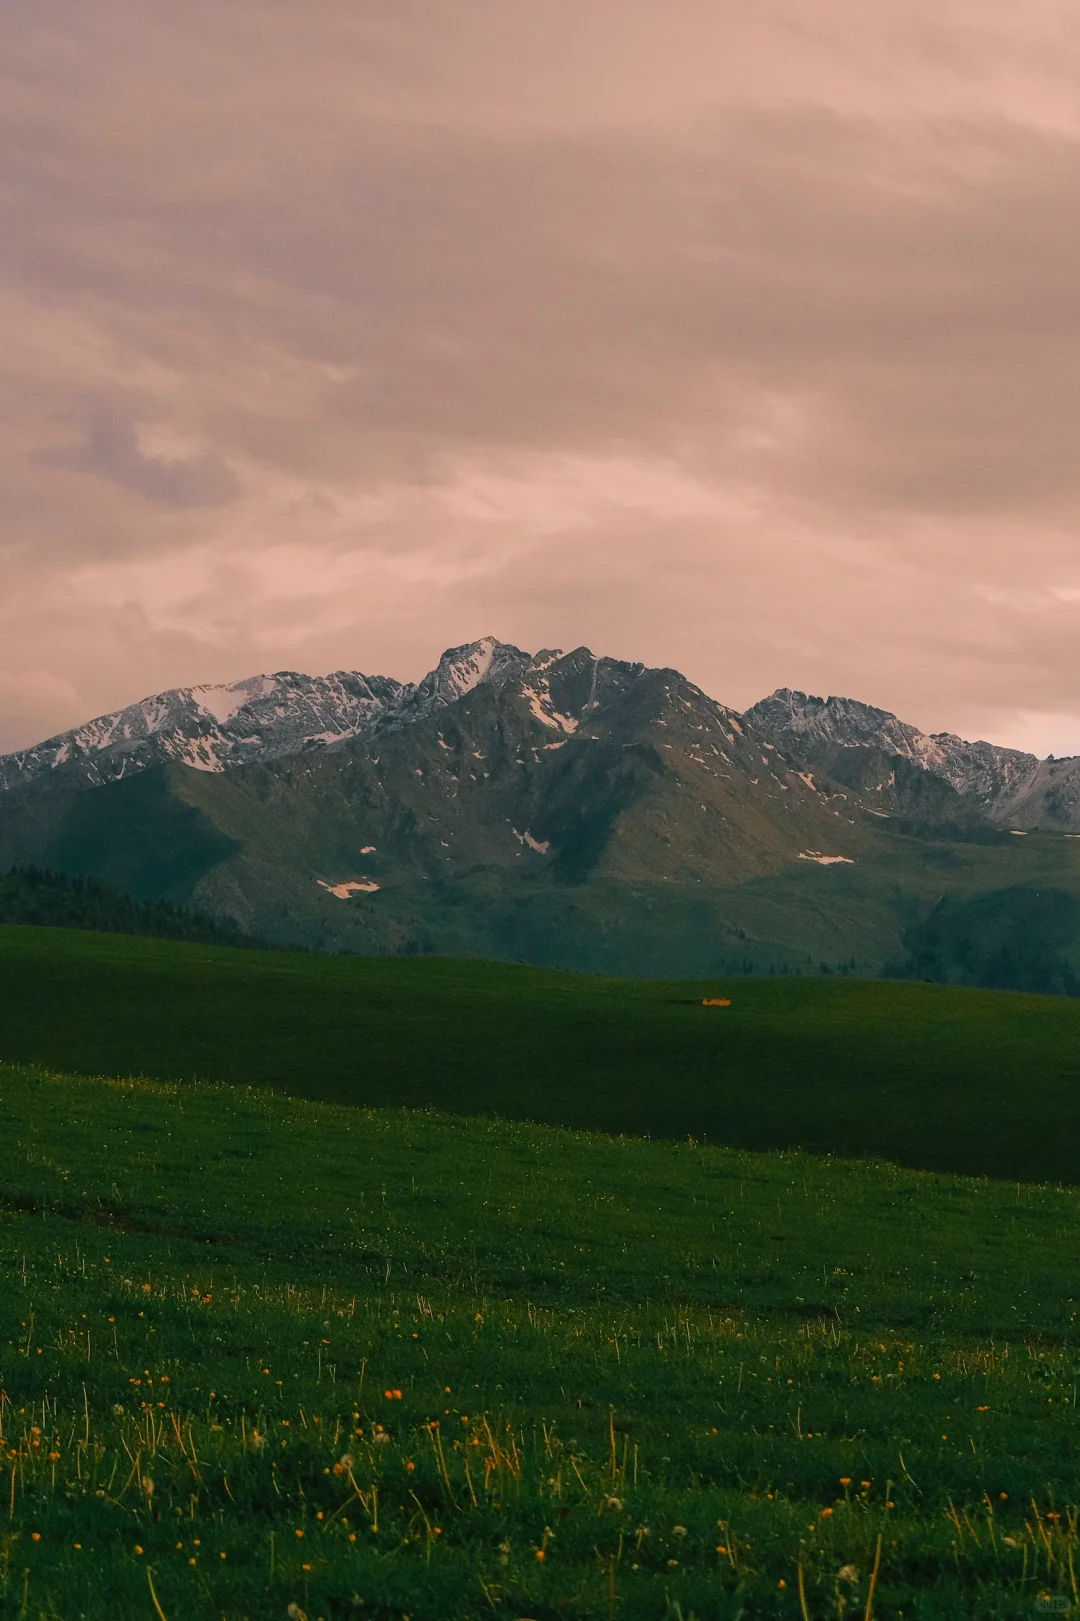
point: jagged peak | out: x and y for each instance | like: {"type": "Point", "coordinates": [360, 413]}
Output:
{"type": "Point", "coordinates": [474, 662]}
{"type": "Point", "coordinates": [546, 657]}
{"type": "Point", "coordinates": [460, 670]}
{"type": "Point", "coordinates": [808, 706]}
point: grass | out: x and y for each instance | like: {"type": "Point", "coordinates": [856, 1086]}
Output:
{"type": "Point", "coordinates": [264, 1357]}
{"type": "Point", "coordinates": [930, 1076]}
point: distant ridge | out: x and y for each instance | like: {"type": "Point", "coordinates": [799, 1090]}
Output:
{"type": "Point", "coordinates": [1010, 787]}
{"type": "Point", "coordinates": [489, 809]}
{"type": "Point", "coordinates": [209, 728]}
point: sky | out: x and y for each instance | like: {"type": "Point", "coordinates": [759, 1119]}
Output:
{"type": "Point", "coordinates": [739, 339]}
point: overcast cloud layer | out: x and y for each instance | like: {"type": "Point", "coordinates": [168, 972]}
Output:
{"type": "Point", "coordinates": [743, 339]}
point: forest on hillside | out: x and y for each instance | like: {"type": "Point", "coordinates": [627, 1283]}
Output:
{"type": "Point", "coordinates": [36, 896]}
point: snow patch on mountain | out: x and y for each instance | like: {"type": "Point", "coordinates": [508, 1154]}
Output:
{"type": "Point", "coordinates": [223, 702]}
{"type": "Point", "coordinates": [354, 886]}
{"type": "Point", "coordinates": [541, 846]}
{"type": "Point", "coordinates": [460, 671]}
{"type": "Point", "coordinates": [544, 716]}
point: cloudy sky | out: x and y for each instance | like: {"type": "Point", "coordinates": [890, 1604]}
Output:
{"type": "Point", "coordinates": [739, 338]}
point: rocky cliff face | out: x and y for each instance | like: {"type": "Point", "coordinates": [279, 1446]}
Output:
{"type": "Point", "coordinates": [808, 725]}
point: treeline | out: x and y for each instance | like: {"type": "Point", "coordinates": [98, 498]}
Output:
{"type": "Point", "coordinates": [57, 900]}
{"type": "Point", "coordinates": [1018, 939]}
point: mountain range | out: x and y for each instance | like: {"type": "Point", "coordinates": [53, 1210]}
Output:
{"type": "Point", "coordinates": [567, 809]}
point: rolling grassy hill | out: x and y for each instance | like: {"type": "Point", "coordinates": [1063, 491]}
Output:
{"type": "Point", "coordinates": [294, 1349]}
{"type": "Point", "coordinates": [266, 1357]}
{"type": "Point", "coordinates": [929, 1076]}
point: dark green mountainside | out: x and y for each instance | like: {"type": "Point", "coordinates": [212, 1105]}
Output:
{"type": "Point", "coordinates": [31, 896]}
{"type": "Point", "coordinates": [1021, 938]}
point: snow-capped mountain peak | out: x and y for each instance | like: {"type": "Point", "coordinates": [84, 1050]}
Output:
{"type": "Point", "coordinates": [262, 717]}
{"type": "Point", "coordinates": [459, 672]}
{"type": "Point", "coordinates": [817, 722]}
{"type": "Point", "coordinates": [212, 727]}
{"type": "Point", "coordinates": [223, 702]}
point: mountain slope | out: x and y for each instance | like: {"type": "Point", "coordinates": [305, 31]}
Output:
{"type": "Point", "coordinates": [1021, 938]}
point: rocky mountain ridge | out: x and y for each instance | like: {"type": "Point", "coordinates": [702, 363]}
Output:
{"type": "Point", "coordinates": [271, 717]}
{"type": "Point", "coordinates": [209, 728]}
{"type": "Point", "coordinates": [1008, 786]}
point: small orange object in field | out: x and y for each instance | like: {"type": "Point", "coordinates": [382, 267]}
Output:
{"type": "Point", "coordinates": [716, 1001]}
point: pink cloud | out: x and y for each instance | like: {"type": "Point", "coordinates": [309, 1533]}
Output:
{"type": "Point", "coordinates": [745, 342]}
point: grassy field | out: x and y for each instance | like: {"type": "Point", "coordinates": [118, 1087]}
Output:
{"type": "Point", "coordinates": [930, 1076]}
{"type": "Point", "coordinates": [263, 1357]}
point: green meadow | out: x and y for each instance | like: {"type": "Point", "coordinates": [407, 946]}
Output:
{"type": "Point", "coordinates": [932, 1076]}
{"type": "Point", "coordinates": [294, 1350]}
{"type": "Point", "coordinates": [260, 1352]}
